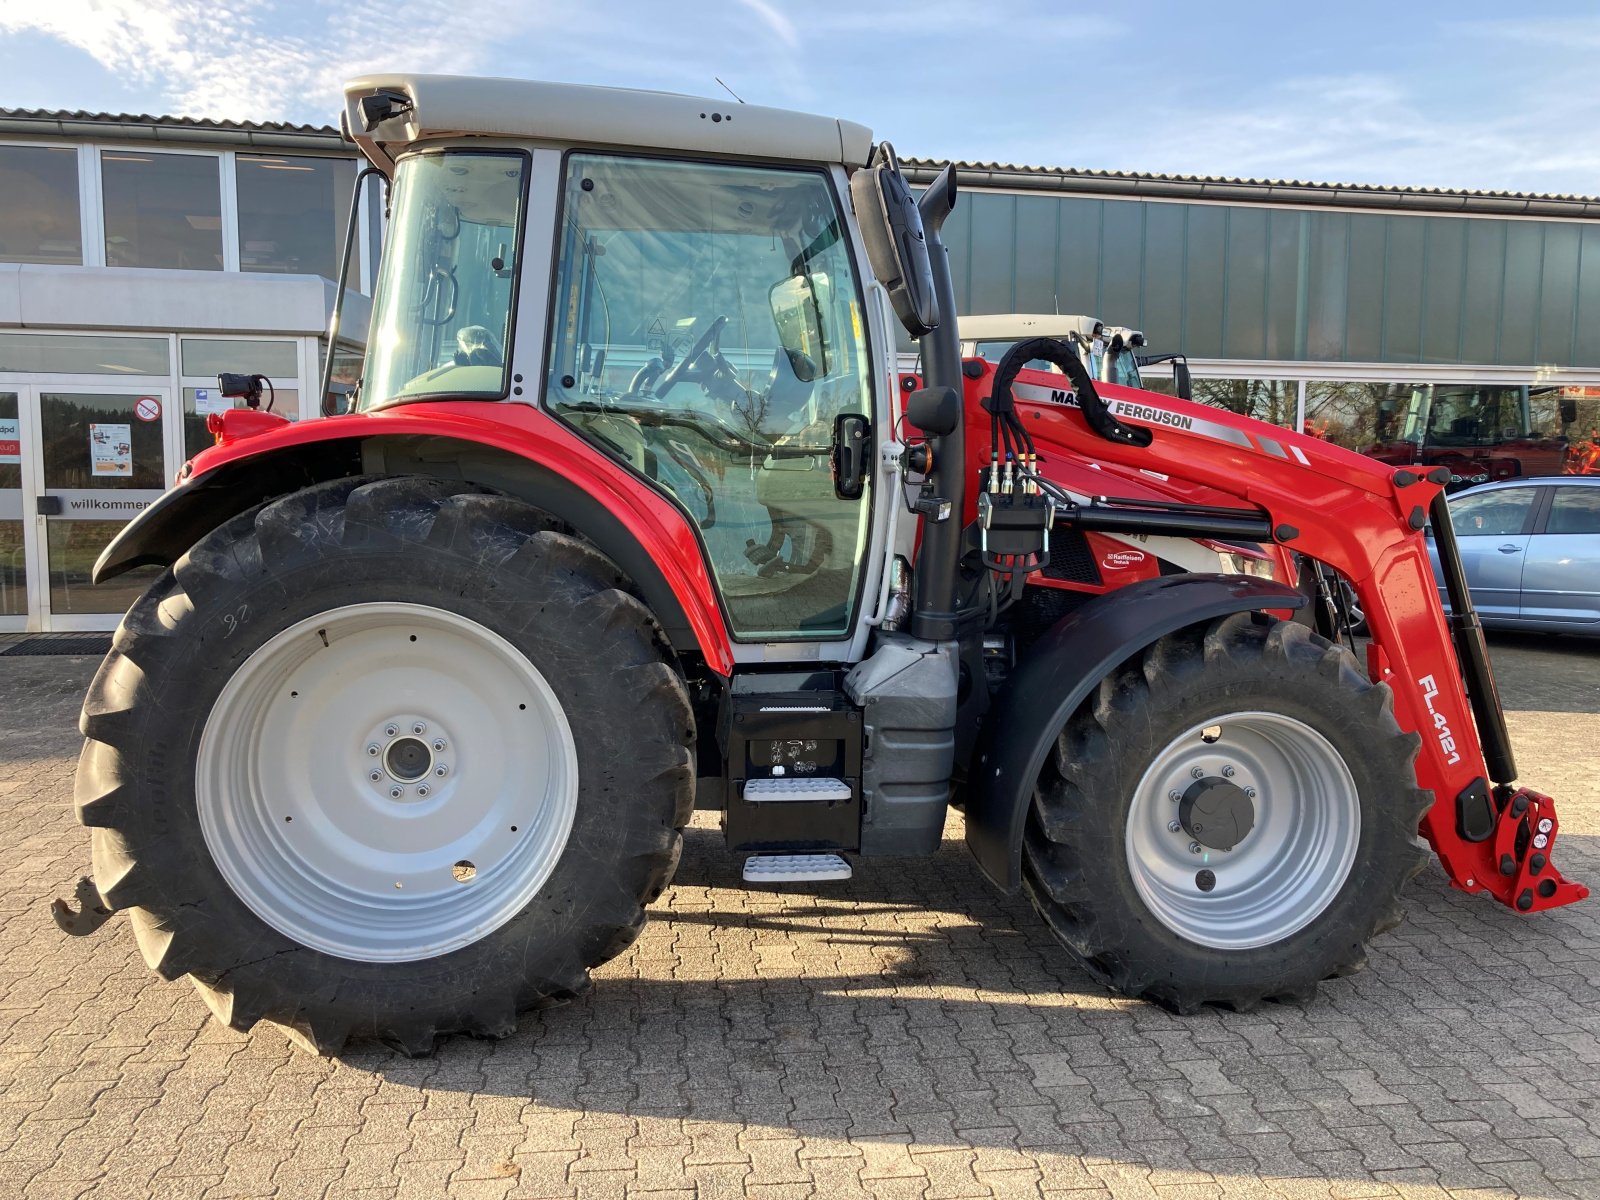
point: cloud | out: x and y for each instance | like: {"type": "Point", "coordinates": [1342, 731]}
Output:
{"type": "Point", "coordinates": [776, 22]}
{"type": "Point", "coordinates": [1353, 128]}
{"type": "Point", "coordinates": [266, 60]}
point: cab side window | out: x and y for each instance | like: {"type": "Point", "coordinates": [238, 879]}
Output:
{"type": "Point", "coordinates": [708, 332]}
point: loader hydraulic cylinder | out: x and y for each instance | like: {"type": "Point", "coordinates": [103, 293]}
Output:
{"type": "Point", "coordinates": [1467, 632]}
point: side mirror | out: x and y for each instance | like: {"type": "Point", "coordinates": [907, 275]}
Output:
{"type": "Point", "coordinates": [1182, 381]}
{"type": "Point", "coordinates": [897, 246]}
{"type": "Point", "coordinates": [799, 320]}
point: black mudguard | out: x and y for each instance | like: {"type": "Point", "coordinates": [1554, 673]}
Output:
{"type": "Point", "coordinates": [1058, 673]}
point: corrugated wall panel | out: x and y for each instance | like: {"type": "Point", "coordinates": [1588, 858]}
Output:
{"type": "Point", "coordinates": [1242, 281]}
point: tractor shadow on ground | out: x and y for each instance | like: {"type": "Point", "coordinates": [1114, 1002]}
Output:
{"type": "Point", "coordinates": [913, 1002]}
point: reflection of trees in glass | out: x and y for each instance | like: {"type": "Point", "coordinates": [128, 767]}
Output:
{"type": "Point", "coordinates": [65, 421]}
{"type": "Point", "coordinates": [1357, 415]}
{"type": "Point", "coordinates": [1272, 400]}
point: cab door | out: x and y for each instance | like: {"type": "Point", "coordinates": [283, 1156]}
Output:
{"type": "Point", "coordinates": [709, 331]}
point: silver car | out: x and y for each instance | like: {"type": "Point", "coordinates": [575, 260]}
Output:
{"type": "Point", "coordinates": [1531, 550]}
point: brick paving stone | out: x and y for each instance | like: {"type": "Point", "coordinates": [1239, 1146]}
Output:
{"type": "Point", "coordinates": [907, 1034]}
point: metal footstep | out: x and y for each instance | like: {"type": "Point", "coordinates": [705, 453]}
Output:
{"type": "Point", "coordinates": [796, 787]}
{"type": "Point", "coordinates": [794, 868]}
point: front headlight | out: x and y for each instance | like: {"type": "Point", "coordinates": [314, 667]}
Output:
{"type": "Point", "coordinates": [1236, 563]}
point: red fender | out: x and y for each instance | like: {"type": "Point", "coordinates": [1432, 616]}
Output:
{"type": "Point", "coordinates": [659, 527]}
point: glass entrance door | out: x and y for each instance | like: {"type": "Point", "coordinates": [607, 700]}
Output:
{"type": "Point", "coordinates": [13, 528]}
{"type": "Point", "coordinates": [104, 458]}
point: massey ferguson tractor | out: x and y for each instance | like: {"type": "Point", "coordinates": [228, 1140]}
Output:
{"type": "Point", "coordinates": [631, 512]}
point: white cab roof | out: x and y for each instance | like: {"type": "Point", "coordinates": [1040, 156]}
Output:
{"type": "Point", "coordinates": [1013, 327]}
{"type": "Point", "coordinates": [446, 106]}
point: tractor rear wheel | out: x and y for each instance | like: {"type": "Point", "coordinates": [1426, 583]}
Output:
{"type": "Point", "coordinates": [1230, 818]}
{"type": "Point", "coordinates": [388, 758]}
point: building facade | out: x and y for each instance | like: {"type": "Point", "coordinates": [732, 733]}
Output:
{"type": "Point", "coordinates": [1366, 315]}
{"type": "Point", "coordinates": [139, 256]}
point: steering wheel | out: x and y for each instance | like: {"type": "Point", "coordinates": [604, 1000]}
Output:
{"type": "Point", "coordinates": [688, 369]}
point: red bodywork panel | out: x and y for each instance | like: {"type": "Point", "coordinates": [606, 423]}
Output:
{"type": "Point", "coordinates": [518, 429]}
{"type": "Point", "coordinates": [1350, 513]}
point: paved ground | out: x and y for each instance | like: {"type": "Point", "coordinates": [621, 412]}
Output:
{"type": "Point", "coordinates": [907, 1034]}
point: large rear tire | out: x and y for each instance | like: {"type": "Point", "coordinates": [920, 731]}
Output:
{"type": "Point", "coordinates": [386, 758]}
{"type": "Point", "coordinates": [1230, 818]}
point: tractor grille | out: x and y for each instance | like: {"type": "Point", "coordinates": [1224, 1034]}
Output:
{"type": "Point", "coordinates": [1071, 560]}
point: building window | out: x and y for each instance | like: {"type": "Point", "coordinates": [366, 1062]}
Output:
{"type": "Point", "coordinates": [83, 354]}
{"type": "Point", "coordinates": [293, 212]}
{"type": "Point", "coordinates": [39, 205]}
{"type": "Point", "coordinates": [162, 210]}
{"type": "Point", "coordinates": [279, 361]}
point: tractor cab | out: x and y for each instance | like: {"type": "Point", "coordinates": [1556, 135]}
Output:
{"type": "Point", "coordinates": [1111, 354]}
{"type": "Point", "coordinates": [700, 312]}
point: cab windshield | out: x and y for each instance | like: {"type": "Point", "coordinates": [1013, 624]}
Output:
{"type": "Point", "coordinates": [442, 319]}
{"type": "Point", "coordinates": [1466, 417]}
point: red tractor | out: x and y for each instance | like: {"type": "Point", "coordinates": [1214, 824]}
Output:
{"type": "Point", "coordinates": [632, 513]}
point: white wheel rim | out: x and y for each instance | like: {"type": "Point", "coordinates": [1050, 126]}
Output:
{"type": "Point", "coordinates": [342, 827]}
{"type": "Point", "coordinates": [1286, 871]}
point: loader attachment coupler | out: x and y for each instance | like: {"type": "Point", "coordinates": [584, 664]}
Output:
{"type": "Point", "coordinates": [1524, 837]}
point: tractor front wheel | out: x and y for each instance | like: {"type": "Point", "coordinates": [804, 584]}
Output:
{"type": "Point", "coordinates": [1229, 819]}
{"type": "Point", "coordinates": [387, 758]}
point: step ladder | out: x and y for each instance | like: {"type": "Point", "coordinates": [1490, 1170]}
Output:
{"type": "Point", "coordinates": [794, 868]}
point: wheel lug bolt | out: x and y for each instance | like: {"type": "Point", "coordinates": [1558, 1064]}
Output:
{"type": "Point", "coordinates": [1250, 793]}
{"type": "Point", "coordinates": [1227, 772]}
{"type": "Point", "coordinates": [396, 792]}
{"type": "Point", "coordinates": [390, 730]}
{"type": "Point", "coordinates": [374, 775]}
{"type": "Point", "coordinates": [1546, 824]}
{"type": "Point", "coordinates": [438, 744]}
{"type": "Point", "coordinates": [441, 770]}
{"type": "Point", "coordinates": [1174, 827]}
{"type": "Point", "coordinates": [1194, 847]}
{"type": "Point", "coordinates": [422, 789]}
{"type": "Point", "coordinates": [1197, 773]}
{"type": "Point", "coordinates": [1175, 795]}
{"type": "Point", "coordinates": [420, 727]}
{"type": "Point", "coordinates": [374, 750]}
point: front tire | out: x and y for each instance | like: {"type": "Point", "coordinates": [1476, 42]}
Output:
{"type": "Point", "coordinates": [1230, 818]}
{"type": "Point", "coordinates": [386, 758]}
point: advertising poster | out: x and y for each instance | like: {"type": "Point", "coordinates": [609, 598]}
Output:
{"type": "Point", "coordinates": [10, 440]}
{"type": "Point", "coordinates": [110, 450]}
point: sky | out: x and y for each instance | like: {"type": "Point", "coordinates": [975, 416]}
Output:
{"type": "Point", "coordinates": [1412, 92]}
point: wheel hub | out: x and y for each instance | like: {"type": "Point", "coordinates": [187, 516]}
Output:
{"type": "Point", "coordinates": [408, 759]}
{"type": "Point", "coordinates": [1216, 813]}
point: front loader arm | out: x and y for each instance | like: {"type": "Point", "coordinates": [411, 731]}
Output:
{"type": "Point", "coordinates": [1365, 519]}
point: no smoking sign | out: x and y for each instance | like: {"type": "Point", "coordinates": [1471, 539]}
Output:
{"type": "Point", "coordinates": [147, 409]}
